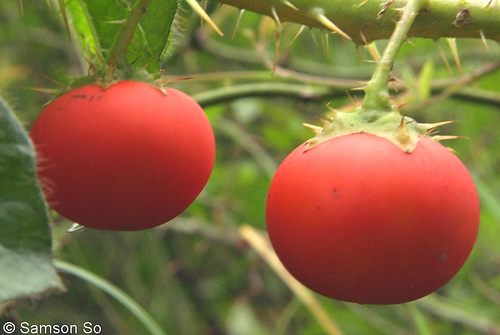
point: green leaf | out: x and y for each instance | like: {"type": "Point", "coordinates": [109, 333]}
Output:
{"type": "Point", "coordinates": [25, 239]}
{"type": "Point", "coordinates": [97, 24]}
{"type": "Point", "coordinates": [152, 35]}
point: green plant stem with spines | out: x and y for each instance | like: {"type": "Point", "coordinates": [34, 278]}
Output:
{"type": "Point", "coordinates": [126, 34]}
{"type": "Point", "coordinates": [377, 115]}
{"type": "Point", "coordinates": [377, 92]}
{"type": "Point", "coordinates": [361, 20]}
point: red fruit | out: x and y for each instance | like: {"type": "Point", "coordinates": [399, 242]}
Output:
{"type": "Point", "coordinates": [128, 157]}
{"type": "Point", "coordinates": [357, 219]}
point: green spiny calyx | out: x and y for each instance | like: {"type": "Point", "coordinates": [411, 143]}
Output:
{"type": "Point", "coordinates": [377, 115]}
{"type": "Point", "coordinates": [402, 130]}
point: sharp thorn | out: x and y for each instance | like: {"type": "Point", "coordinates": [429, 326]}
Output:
{"type": "Point", "coordinates": [74, 228]}
{"type": "Point", "coordinates": [298, 33]}
{"type": "Point", "coordinates": [238, 23]}
{"type": "Point", "coordinates": [62, 5]}
{"type": "Point", "coordinates": [401, 9]}
{"type": "Point", "coordinates": [326, 44]}
{"type": "Point", "coordinates": [315, 129]}
{"type": "Point", "coordinates": [439, 138]}
{"type": "Point", "coordinates": [201, 12]}
{"type": "Point", "coordinates": [452, 42]}
{"type": "Point", "coordinates": [52, 91]}
{"type": "Point", "coordinates": [360, 58]}
{"type": "Point", "coordinates": [59, 83]}
{"type": "Point", "coordinates": [363, 37]}
{"type": "Point", "coordinates": [275, 16]}
{"type": "Point", "coordinates": [116, 21]}
{"type": "Point", "coordinates": [363, 82]}
{"type": "Point", "coordinates": [393, 84]}
{"type": "Point", "coordinates": [278, 28]}
{"type": "Point", "coordinates": [443, 56]}
{"type": "Point", "coordinates": [354, 101]}
{"type": "Point", "coordinates": [331, 109]}
{"type": "Point", "coordinates": [291, 5]}
{"type": "Point", "coordinates": [483, 39]}
{"type": "Point", "coordinates": [315, 40]}
{"type": "Point", "coordinates": [435, 125]}
{"type": "Point", "coordinates": [166, 81]}
{"type": "Point", "coordinates": [361, 4]}
{"type": "Point", "coordinates": [318, 15]}
{"type": "Point", "coordinates": [410, 42]}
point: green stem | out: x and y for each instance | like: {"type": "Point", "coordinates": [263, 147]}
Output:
{"type": "Point", "coordinates": [126, 33]}
{"type": "Point", "coordinates": [377, 92]}
{"type": "Point", "coordinates": [360, 19]}
{"type": "Point", "coordinates": [113, 291]}
{"type": "Point", "coordinates": [290, 90]}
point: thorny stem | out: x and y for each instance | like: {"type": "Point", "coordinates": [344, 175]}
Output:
{"type": "Point", "coordinates": [369, 20]}
{"type": "Point", "coordinates": [377, 92]}
{"type": "Point", "coordinates": [126, 34]}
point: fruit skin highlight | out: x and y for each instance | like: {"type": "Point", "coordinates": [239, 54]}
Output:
{"type": "Point", "coordinates": [128, 157]}
{"type": "Point", "coordinates": [357, 219]}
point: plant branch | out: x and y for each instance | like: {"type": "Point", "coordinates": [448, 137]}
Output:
{"type": "Point", "coordinates": [443, 88]}
{"type": "Point", "coordinates": [368, 20]}
{"type": "Point", "coordinates": [457, 88]}
{"type": "Point", "coordinates": [302, 92]}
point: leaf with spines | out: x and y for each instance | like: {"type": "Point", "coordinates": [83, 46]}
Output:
{"type": "Point", "coordinates": [97, 24]}
{"type": "Point", "coordinates": [25, 237]}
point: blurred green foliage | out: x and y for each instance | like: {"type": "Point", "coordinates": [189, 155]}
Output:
{"type": "Point", "coordinates": [195, 275]}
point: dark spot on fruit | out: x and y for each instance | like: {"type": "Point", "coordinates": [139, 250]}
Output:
{"type": "Point", "coordinates": [335, 193]}
{"type": "Point", "coordinates": [443, 257]}
{"type": "Point", "coordinates": [78, 96]}
{"type": "Point", "coordinates": [99, 96]}
{"type": "Point", "coordinates": [92, 97]}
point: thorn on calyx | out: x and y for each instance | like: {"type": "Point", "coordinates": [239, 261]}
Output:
{"type": "Point", "coordinates": [315, 129]}
{"type": "Point", "coordinates": [439, 138]}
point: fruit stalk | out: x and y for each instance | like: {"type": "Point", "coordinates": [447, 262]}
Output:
{"type": "Point", "coordinates": [126, 34]}
{"type": "Point", "coordinates": [377, 92]}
